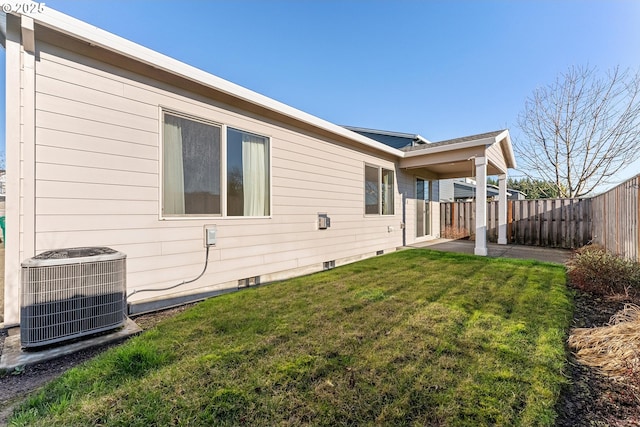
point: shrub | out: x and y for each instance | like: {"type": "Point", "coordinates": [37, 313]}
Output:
{"type": "Point", "coordinates": [595, 270]}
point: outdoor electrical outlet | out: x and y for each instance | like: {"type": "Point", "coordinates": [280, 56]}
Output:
{"type": "Point", "coordinates": [210, 235]}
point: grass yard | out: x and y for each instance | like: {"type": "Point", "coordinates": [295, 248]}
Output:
{"type": "Point", "coordinates": [416, 337]}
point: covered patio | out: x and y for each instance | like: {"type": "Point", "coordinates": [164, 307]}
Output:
{"type": "Point", "coordinates": [477, 156]}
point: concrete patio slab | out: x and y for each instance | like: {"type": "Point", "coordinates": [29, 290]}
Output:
{"type": "Point", "coordinates": [13, 356]}
{"type": "Point", "coordinates": [559, 256]}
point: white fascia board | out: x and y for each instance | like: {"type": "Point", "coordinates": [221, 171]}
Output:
{"type": "Point", "coordinates": [511, 160]}
{"type": "Point", "coordinates": [449, 147]}
{"type": "Point", "coordinates": [423, 139]}
{"type": "Point", "coordinates": [75, 28]}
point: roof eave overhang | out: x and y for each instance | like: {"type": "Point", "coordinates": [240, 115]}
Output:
{"type": "Point", "coordinates": [507, 149]}
{"type": "Point", "coordinates": [448, 147]}
{"type": "Point", "coordinates": [502, 138]}
{"type": "Point", "coordinates": [95, 36]}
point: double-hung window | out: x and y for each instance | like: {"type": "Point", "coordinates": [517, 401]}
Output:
{"type": "Point", "coordinates": [193, 168]}
{"type": "Point", "coordinates": [378, 190]}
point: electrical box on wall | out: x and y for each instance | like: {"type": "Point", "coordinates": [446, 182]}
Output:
{"type": "Point", "coordinates": [324, 221]}
{"type": "Point", "coordinates": [210, 232]}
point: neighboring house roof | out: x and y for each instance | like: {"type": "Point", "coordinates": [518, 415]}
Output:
{"type": "Point", "coordinates": [467, 190]}
{"type": "Point", "coordinates": [464, 189]}
{"type": "Point", "coordinates": [393, 139]}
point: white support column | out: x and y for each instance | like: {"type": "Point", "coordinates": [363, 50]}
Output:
{"type": "Point", "coordinates": [481, 206]}
{"type": "Point", "coordinates": [19, 131]}
{"type": "Point", "coordinates": [28, 118]}
{"type": "Point", "coordinates": [12, 255]}
{"type": "Point", "coordinates": [502, 209]}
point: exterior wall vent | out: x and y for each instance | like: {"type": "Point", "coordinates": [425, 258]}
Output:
{"type": "Point", "coordinates": [70, 293]}
{"type": "Point", "coordinates": [328, 265]}
{"type": "Point", "coordinates": [379, 252]}
{"type": "Point", "coordinates": [249, 281]}
{"type": "Point", "coordinates": [324, 221]}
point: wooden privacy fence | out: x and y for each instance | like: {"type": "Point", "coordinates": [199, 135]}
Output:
{"type": "Point", "coordinates": [616, 219]}
{"type": "Point", "coordinates": [611, 219]}
{"type": "Point", "coordinates": [557, 223]}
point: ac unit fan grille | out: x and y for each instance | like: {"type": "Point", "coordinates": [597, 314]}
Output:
{"type": "Point", "coordinates": [62, 302]}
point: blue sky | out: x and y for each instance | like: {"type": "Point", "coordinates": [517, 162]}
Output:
{"type": "Point", "coordinates": [442, 69]}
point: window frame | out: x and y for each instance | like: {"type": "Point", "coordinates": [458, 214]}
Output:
{"type": "Point", "coordinates": [378, 190]}
{"type": "Point", "coordinates": [225, 172]}
{"type": "Point", "coordinates": [392, 190]}
{"type": "Point", "coordinates": [223, 168]}
{"type": "Point", "coordinates": [380, 185]}
{"type": "Point", "coordinates": [161, 196]}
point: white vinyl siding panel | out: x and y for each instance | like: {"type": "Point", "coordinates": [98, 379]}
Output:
{"type": "Point", "coordinates": [494, 155]}
{"type": "Point", "coordinates": [89, 192]}
{"type": "Point", "coordinates": [92, 128]}
{"type": "Point", "coordinates": [15, 214]}
{"type": "Point", "coordinates": [96, 175]}
{"type": "Point", "coordinates": [71, 157]}
{"type": "Point", "coordinates": [98, 183]}
{"type": "Point", "coordinates": [97, 114]}
{"type": "Point", "coordinates": [69, 207]}
{"type": "Point", "coordinates": [103, 145]}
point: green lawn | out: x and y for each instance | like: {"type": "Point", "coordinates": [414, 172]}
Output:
{"type": "Point", "coordinates": [416, 337]}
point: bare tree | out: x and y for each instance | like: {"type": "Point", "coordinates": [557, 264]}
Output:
{"type": "Point", "coordinates": [581, 130]}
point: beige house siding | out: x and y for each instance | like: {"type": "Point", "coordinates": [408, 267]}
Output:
{"type": "Point", "coordinates": [84, 121]}
{"type": "Point", "coordinates": [97, 184]}
{"type": "Point", "coordinates": [495, 156]}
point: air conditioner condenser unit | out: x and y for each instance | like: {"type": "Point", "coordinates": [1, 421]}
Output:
{"type": "Point", "coordinates": [70, 293]}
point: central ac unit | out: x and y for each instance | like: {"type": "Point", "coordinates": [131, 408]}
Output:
{"type": "Point", "coordinates": [70, 293]}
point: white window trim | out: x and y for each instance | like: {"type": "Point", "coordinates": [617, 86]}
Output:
{"type": "Point", "coordinates": [380, 169]}
{"type": "Point", "coordinates": [393, 191]}
{"type": "Point", "coordinates": [223, 169]}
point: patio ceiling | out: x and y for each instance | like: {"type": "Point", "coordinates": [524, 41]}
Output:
{"type": "Point", "coordinates": [455, 158]}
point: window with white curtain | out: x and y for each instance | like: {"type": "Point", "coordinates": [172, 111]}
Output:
{"type": "Point", "coordinates": [191, 167]}
{"type": "Point", "coordinates": [387, 192]}
{"type": "Point", "coordinates": [379, 189]}
{"type": "Point", "coordinates": [371, 190]}
{"type": "Point", "coordinates": [247, 174]}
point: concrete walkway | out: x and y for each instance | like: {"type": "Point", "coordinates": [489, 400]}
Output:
{"type": "Point", "coordinates": [14, 356]}
{"type": "Point", "coordinates": [559, 256]}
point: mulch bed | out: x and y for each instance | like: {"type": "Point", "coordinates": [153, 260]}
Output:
{"type": "Point", "coordinates": [590, 399]}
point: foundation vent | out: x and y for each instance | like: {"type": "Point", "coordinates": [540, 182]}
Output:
{"type": "Point", "coordinates": [249, 281]}
{"type": "Point", "coordinates": [328, 265]}
{"type": "Point", "coordinates": [70, 293]}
